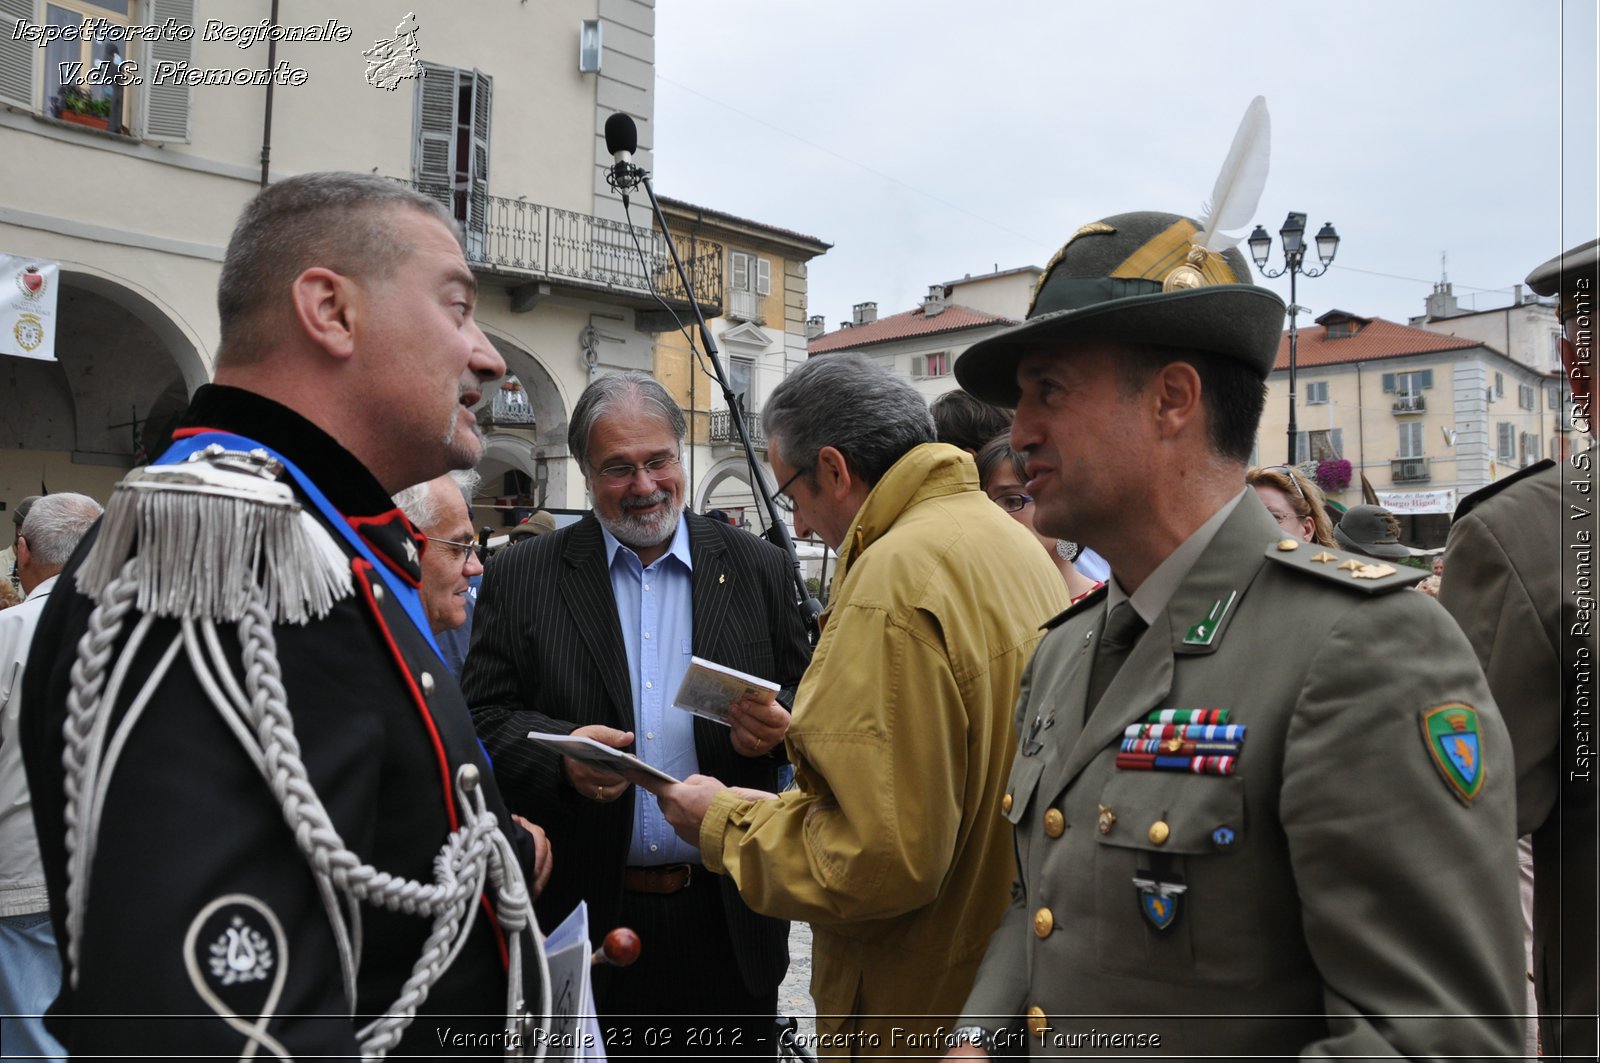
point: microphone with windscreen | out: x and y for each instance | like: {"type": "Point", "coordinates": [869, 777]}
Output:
{"type": "Point", "coordinates": [622, 140]}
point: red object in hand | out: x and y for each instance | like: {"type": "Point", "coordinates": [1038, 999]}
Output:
{"type": "Point", "coordinates": [620, 948]}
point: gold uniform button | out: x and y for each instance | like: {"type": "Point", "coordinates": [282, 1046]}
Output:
{"type": "Point", "coordinates": [1005, 803]}
{"type": "Point", "coordinates": [1037, 1022]}
{"type": "Point", "coordinates": [1044, 921]}
{"type": "Point", "coordinates": [427, 684]}
{"type": "Point", "coordinates": [1055, 824]}
{"type": "Point", "coordinates": [1288, 544]}
{"type": "Point", "coordinates": [1159, 832]}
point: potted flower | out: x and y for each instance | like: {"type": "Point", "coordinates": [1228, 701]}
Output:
{"type": "Point", "coordinates": [80, 108]}
{"type": "Point", "coordinates": [1333, 474]}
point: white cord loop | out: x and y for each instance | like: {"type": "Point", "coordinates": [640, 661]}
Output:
{"type": "Point", "coordinates": [475, 855]}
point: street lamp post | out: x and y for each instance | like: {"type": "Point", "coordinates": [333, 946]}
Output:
{"type": "Point", "coordinates": [1293, 236]}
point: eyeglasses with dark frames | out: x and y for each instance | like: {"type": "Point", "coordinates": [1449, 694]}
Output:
{"type": "Point", "coordinates": [1015, 502]}
{"type": "Point", "coordinates": [655, 468]}
{"type": "Point", "coordinates": [458, 551]}
{"type": "Point", "coordinates": [784, 490]}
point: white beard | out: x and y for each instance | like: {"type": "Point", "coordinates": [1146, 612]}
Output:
{"type": "Point", "coordinates": [645, 530]}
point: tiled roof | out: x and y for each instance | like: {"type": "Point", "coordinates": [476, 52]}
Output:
{"type": "Point", "coordinates": [1376, 339]}
{"type": "Point", "coordinates": [904, 326]}
{"type": "Point", "coordinates": [722, 215]}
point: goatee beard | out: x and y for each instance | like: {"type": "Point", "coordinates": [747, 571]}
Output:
{"type": "Point", "coordinates": [643, 530]}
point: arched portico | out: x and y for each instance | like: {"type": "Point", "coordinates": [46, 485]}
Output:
{"type": "Point", "coordinates": [125, 367]}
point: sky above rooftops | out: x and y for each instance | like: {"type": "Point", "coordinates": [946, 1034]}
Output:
{"type": "Point", "coordinates": [929, 140]}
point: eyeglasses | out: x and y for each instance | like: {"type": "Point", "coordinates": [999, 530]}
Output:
{"type": "Point", "coordinates": [1294, 481]}
{"type": "Point", "coordinates": [458, 551]}
{"type": "Point", "coordinates": [784, 490]}
{"type": "Point", "coordinates": [655, 468]}
{"type": "Point", "coordinates": [1013, 503]}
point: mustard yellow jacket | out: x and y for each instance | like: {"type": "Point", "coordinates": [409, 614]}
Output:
{"type": "Point", "coordinates": [894, 845]}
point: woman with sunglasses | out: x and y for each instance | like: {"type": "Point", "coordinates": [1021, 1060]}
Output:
{"type": "Point", "coordinates": [1295, 502]}
{"type": "Point", "coordinates": [1001, 474]}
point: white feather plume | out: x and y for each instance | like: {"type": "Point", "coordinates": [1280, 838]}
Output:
{"type": "Point", "coordinates": [1238, 189]}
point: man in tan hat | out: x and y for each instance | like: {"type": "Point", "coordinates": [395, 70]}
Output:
{"type": "Point", "coordinates": [1262, 803]}
{"type": "Point", "coordinates": [1520, 558]}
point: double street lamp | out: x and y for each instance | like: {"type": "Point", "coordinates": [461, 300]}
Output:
{"type": "Point", "coordinates": [1293, 235]}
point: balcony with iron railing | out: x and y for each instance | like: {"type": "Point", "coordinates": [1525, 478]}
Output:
{"type": "Point", "coordinates": [1408, 470]}
{"type": "Point", "coordinates": [515, 239]}
{"type": "Point", "coordinates": [722, 430]}
{"type": "Point", "coordinates": [1409, 404]}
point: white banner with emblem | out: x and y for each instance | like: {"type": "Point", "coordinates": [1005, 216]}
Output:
{"type": "Point", "coordinates": [28, 306]}
{"type": "Point", "coordinates": [1403, 502]}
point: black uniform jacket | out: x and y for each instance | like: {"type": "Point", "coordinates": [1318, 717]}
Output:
{"type": "Point", "coordinates": [188, 819]}
{"type": "Point", "coordinates": [547, 655]}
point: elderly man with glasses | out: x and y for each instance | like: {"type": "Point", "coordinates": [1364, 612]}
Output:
{"type": "Point", "coordinates": [438, 508]}
{"type": "Point", "coordinates": [589, 630]}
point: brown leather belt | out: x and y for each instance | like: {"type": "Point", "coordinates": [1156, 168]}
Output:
{"type": "Point", "coordinates": [665, 880]}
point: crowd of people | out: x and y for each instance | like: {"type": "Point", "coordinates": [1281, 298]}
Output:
{"type": "Point", "coordinates": [1107, 742]}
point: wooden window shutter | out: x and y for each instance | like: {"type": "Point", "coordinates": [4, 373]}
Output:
{"type": "Point", "coordinates": [164, 112]}
{"type": "Point", "coordinates": [763, 277]}
{"type": "Point", "coordinates": [434, 121]}
{"type": "Point", "coordinates": [478, 177]}
{"type": "Point", "coordinates": [19, 60]}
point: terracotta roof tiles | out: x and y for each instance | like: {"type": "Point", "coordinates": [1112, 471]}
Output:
{"type": "Point", "coordinates": [904, 326]}
{"type": "Point", "coordinates": [1375, 339]}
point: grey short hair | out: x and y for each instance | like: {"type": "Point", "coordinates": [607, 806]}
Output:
{"type": "Point", "coordinates": [849, 402]}
{"type": "Point", "coordinates": [56, 525]}
{"type": "Point", "coordinates": [334, 220]}
{"type": "Point", "coordinates": [417, 501]}
{"type": "Point", "coordinates": [630, 390]}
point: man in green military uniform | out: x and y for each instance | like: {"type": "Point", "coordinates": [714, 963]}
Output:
{"type": "Point", "coordinates": [1519, 568]}
{"type": "Point", "coordinates": [1262, 802]}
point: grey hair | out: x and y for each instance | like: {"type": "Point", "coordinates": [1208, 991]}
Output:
{"type": "Point", "coordinates": [418, 504]}
{"type": "Point", "coordinates": [849, 402]}
{"type": "Point", "coordinates": [341, 221]}
{"type": "Point", "coordinates": [56, 525]}
{"type": "Point", "coordinates": [629, 390]}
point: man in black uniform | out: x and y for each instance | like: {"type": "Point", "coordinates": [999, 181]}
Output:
{"type": "Point", "coordinates": [265, 754]}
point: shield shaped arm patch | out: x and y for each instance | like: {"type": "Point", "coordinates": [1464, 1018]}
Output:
{"type": "Point", "coordinates": [1455, 743]}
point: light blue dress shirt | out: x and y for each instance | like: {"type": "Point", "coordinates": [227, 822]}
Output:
{"type": "Point", "coordinates": [655, 605]}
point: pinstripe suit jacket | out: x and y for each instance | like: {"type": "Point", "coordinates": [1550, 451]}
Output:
{"type": "Point", "coordinates": [547, 655]}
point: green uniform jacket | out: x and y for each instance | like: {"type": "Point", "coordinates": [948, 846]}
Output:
{"type": "Point", "coordinates": [1336, 883]}
{"type": "Point", "coordinates": [893, 845]}
{"type": "Point", "coordinates": [1512, 581]}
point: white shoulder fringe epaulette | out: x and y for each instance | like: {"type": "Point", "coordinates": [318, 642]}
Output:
{"type": "Point", "coordinates": [220, 539]}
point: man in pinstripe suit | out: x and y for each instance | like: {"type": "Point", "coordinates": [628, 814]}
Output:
{"type": "Point", "coordinates": [589, 630]}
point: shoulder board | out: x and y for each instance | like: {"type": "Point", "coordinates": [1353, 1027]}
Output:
{"type": "Point", "coordinates": [212, 534]}
{"type": "Point", "coordinates": [1357, 572]}
{"type": "Point", "coordinates": [1490, 490]}
{"type": "Point", "coordinates": [1093, 598]}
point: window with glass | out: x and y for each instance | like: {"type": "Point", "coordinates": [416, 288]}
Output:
{"type": "Point", "coordinates": [82, 75]}
{"type": "Point", "coordinates": [1411, 439]}
{"type": "Point", "coordinates": [749, 281]}
{"type": "Point", "coordinates": [1317, 393]}
{"type": "Point", "coordinates": [741, 371]}
{"type": "Point", "coordinates": [1408, 388]}
{"type": "Point", "coordinates": [925, 366]}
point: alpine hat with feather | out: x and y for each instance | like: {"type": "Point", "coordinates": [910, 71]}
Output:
{"type": "Point", "coordinates": [1149, 278]}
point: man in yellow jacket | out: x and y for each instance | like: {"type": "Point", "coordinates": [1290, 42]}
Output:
{"type": "Point", "coordinates": [894, 845]}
